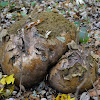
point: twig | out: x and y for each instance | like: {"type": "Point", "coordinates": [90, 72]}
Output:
{"type": "Point", "coordinates": [91, 79]}
{"type": "Point", "coordinates": [79, 87]}
{"type": "Point", "coordinates": [0, 15]}
{"type": "Point", "coordinates": [87, 64]}
{"type": "Point", "coordinates": [20, 49]}
{"type": "Point", "coordinates": [20, 54]}
{"type": "Point", "coordinates": [20, 72]}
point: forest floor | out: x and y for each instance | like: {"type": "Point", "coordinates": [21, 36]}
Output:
{"type": "Point", "coordinates": [16, 9]}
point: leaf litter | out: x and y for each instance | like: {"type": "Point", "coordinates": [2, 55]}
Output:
{"type": "Point", "coordinates": [71, 13]}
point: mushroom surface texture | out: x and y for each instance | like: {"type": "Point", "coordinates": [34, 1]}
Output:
{"type": "Point", "coordinates": [71, 71]}
{"type": "Point", "coordinates": [31, 46]}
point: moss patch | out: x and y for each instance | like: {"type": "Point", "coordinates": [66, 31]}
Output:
{"type": "Point", "coordinates": [54, 22]}
{"type": "Point", "coordinates": [19, 24]}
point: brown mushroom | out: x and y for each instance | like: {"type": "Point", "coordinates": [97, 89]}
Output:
{"type": "Point", "coordinates": [29, 52]}
{"type": "Point", "coordinates": [70, 72]}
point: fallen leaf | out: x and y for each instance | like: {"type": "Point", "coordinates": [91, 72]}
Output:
{"type": "Point", "coordinates": [72, 45]}
{"type": "Point", "coordinates": [93, 92]}
{"type": "Point", "coordinates": [10, 79]}
{"type": "Point", "coordinates": [62, 39]}
{"type": "Point", "coordinates": [33, 3]}
{"type": "Point", "coordinates": [97, 43]}
{"type": "Point", "coordinates": [1, 90]}
{"type": "Point", "coordinates": [3, 81]}
{"type": "Point", "coordinates": [98, 53]}
{"type": "Point", "coordinates": [30, 25]}
{"type": "Point", "coordinates": [3, 4]}
{"type": "Point", "coordinates": [64, 97]}
{"type": "Point", "coordinates": [77, 23]}
{"type": "Point", "coordinates": [47, 34]}
{"type": "Point", "coordinates": [85, 96]}
{"type": "Point", "coordinates": [95, 56]}
{"type": "Point", "coordinates": [75, 16]}
{"type": "Point", "coordinates": [6, 79]}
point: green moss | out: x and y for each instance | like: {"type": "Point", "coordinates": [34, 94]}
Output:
{"type": "Point", "coordinates": [19, 24]}
{"type": "Point", "coordinates": [54, 22]}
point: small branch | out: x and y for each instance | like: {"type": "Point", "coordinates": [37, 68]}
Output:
{"type": "Point", "coordinates": [79, 87]}
{"type": "Point", "coordinates": [0, 15]}
{"type": "Point", "coordinates": [91, 80]}
{"type": "Point", "coordinates": [20, 72]}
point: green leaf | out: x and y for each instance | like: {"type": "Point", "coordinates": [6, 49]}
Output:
{"type": "Point", "coordinates": [86, 39]}
{"type": "Point", "coordinates": [63, 12]}
{"type": "Point", "coordinates": [83, 34]}
{"type": "Point", "coordinates": [23, 14]}
{"type": "Point", "coordinates": [13, 5]}
{"type": "Point", "coordinates": [14, 15]}
{"type": "Point", "coordinates": [3, 4]}
{"type": "Point", "coordinates": [85, 5]}
{"type": "Point", "coordinates": [89, 21]}
{"type": "Point", "coordinates": [69, 10]}
{"type": "Point", "coordinates": [33, 3]}
{"type": "Point", "coordinates": [13, 18]}
{"type": "Point", "coordinates": [62, 39]}
{"type": "Point", "coordinates": [98, 39]}
{"type": "Point", "coordinates": [83, 29]}
{"type": "Point", "coordinates": [83, 37]}
{"type": "Point", "coordinates": [71, 1]}
{"type": "Point", "coordinates": [77, 23]}
{"type": "Point", "coordinates": [79, 6]}
{"type": "Point", "coordinates": [85, 18]}
{"type": "Point", "coordinates": [48, 10]}
{"type": "Point", "coordinates": [75, 10]}
{"type": "Point", "coordinates": [54, 6]}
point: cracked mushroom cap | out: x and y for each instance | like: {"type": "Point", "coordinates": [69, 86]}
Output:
{"type": "Point", "coordinates": [70, 72]}
{"type": "Point", "coordinates": [29, 52]}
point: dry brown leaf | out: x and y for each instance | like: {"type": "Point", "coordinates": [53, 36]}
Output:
{"type": "Point", "coordinates": [93, 92]}
{"type": "Point", "coordinates": [75, 16]}
{"type": "Point", "coordinates": [97, 43]}
{"type": "Point", "coordinates": [98, 53]}
{"type": "Point", "coordinates": [34, 98]}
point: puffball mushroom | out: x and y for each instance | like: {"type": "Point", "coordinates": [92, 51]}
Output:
{"type": "Point", "coordinates": [70, 72]}
{"type": "Point", "coordinates": [27, 51]}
